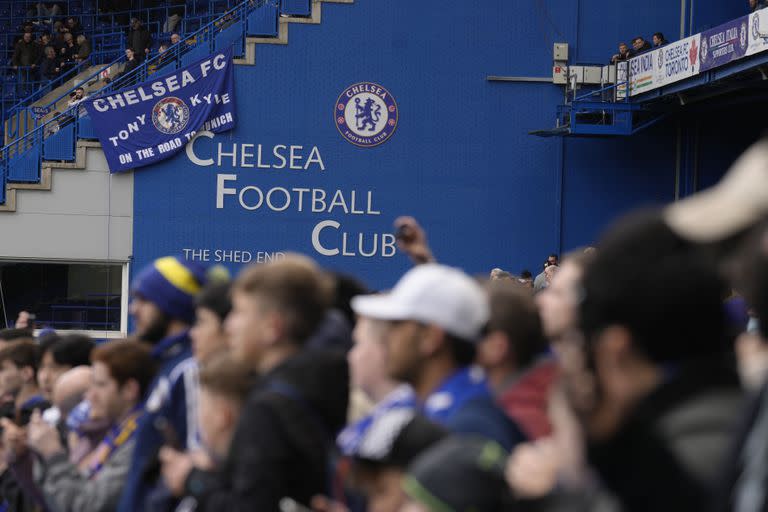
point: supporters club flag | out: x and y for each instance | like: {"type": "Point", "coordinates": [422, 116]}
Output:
{"type": "Point", "coordinates": [149, 122]}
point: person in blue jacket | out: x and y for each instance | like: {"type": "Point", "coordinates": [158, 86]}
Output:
{"type": "Point", "coordinates": [163, 310]}
{"type": "Point", "coordinates": [436, 315]}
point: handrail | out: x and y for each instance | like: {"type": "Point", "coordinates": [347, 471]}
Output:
{"type": "Point", "coordinates": [71, 114]}
{"type": "Point", "coordinates": [39, 92]}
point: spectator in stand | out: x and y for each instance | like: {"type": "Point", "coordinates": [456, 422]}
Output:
{"type": "Point", "coordinates": [755, 5]}
{"type": "Point", "coordinates": [280, 445]}
{"type": "Point", "coordinates": [130, 64]}
{"type": "Point", "coordinates": [83, 49]}
{"type": "Point", "coordinates": [68, 51]}
{"type": "Point", "coordinates": [57, 38]}
{"type": "Point", "coordinates": [163, 310]}
{"type": "Point", "coordinates": [43, 41]}
{"type": "Point", "coordinates": [640, 45]}
{"type": "Point", "coordinates": [624, 54]}
{"type": "Point", "coordinates": [175, 15]}
{"type": "Point", "coordinates": [26, 53]}
{"type": "Point", "coordinates": [139, 39]}
{"type": "Point", "coordinates": [122, 372]}
{"type": "Point", "coordinates": [43, 10]}
{"type": "Point", "coordinates": [435, 315]}
{"type": "Point", "coordinates": [513, 355]}
{"type": "Point", "coordinates": [175, 38]}
{"type": "Point", "coordinates": [659, 40]}
{"type": "Point", "coordinates": [50, 68]}
{"type": "Point", "coordinates": [74, 27]}
{"type": "Point", "coordinates": [163, 55]}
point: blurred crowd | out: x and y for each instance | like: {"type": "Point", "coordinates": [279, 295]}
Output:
{"type": "Point", "coordinates": [627, 377]}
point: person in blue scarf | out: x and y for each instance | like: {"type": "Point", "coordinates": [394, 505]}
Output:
{"type": "Point", "coordinates": [436, 315]}
{"type": "Point", "coordinates": [122, 371]}
{"type": "Point", "coordinates": [163, 311]}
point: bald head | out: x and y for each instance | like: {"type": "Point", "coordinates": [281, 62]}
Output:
{"type": "Point", "coordinates": [70, 388]}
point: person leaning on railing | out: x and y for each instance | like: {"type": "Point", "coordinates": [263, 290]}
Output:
{"type": "Point", "coordinates": [622, 55]}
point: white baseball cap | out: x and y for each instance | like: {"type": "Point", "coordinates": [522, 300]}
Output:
{"type": "Point", "coordinates": [737, 202]}
{"type": "Point", "coordinates": [432, 294]}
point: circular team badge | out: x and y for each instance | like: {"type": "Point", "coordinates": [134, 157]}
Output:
{"type": "Point", "coordinates": [366, 114]}
{"type": "Point", "coordinates": [170, 115]}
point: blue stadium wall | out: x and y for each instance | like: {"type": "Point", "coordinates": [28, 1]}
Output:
{"type": "Point", "coordinates": [460, 160]}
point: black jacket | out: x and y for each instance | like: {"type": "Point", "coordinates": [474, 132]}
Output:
{"type": "Point", "coordinates": [669, 452]}
{"type": "Point", "coordinates": [282, 443]}
{"type": "Point", "coordinates": [139, 40]}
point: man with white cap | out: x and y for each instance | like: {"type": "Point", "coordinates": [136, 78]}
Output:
{"type": "Point", "coordinates": [435, 315]}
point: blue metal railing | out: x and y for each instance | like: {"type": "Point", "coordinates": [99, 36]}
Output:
{"type": "Point", "coordinates": [111, 46]}
{"type": "Point", "coordinates": [56, 137]}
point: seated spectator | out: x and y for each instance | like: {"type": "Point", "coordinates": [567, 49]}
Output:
{"type": "Point", "coordinates": [623, 54]}
{"type": "Point", "coordinates": [755, 5]}
{"type": "Point", "coordinates": [513, 355]}
{"type": "Point", "coordinates": [83, 49]}
{"type": "Point", "coordinates": [659, 40]}
{"type": "Point", "coordinates": [175, 38]}
{"type": "Point", "coordinates": [50, 68]}
{"type": "Point", "coordinates": [458, 474]}
{"type": "Point", "coordinates": [59, 355]}
{"type": "Point", "coordinates": [26, 53]}
{"type": "Point", "coordinates": [122, 372]}
{"type": "Point", "coordinates": [77, 97]}
{"type": "Point", "coordinates": [640, 45]}
{"type": "Point", "coordinates": [435, 315]}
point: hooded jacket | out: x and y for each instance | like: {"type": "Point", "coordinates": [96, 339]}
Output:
{"type": "Point", "coordinates": [282, 442]}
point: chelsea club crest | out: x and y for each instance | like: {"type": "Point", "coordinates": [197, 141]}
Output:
{"type": "Point", "coordinates": [170, 115]}
{"type": "Point", "coordinates": [366, 114]}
